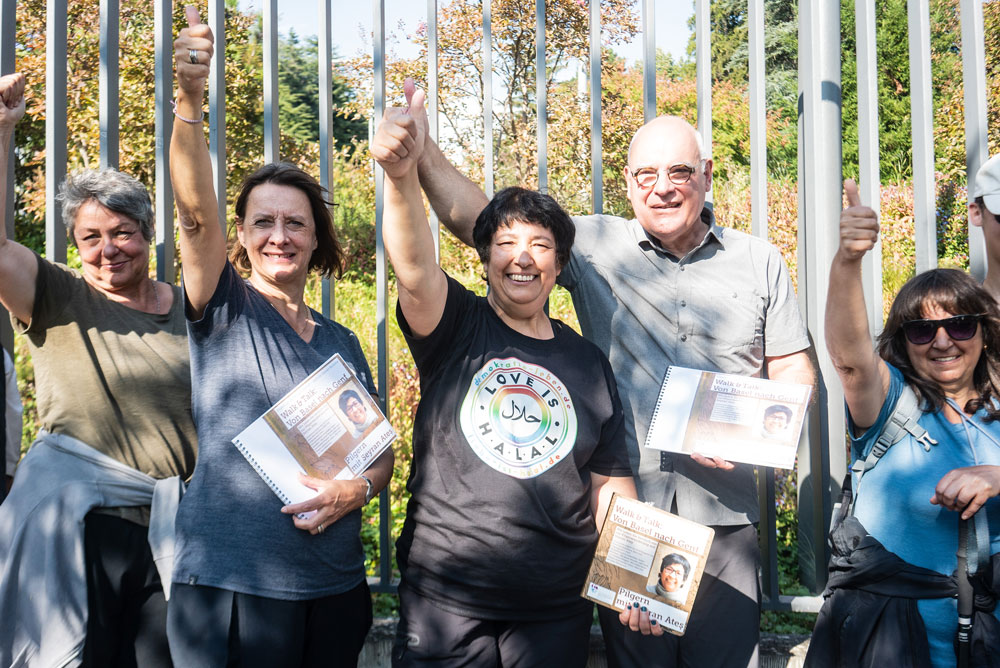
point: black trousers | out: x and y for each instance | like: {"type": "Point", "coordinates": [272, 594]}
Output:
{"type": "Point", "coordinates": [126, 609]}
{"type": "Point", "coordinates": [213, 627]}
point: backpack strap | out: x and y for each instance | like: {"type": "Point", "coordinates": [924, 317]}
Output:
{"type": "Point", "coordinates": [901, 422]}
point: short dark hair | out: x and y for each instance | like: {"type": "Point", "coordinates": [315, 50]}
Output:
{"type": "Point", "coordinates": [512, 205]}
{"type": "Point", "coordinates": [958, 293]}
{"type": "Point", "coordinates": [111, 189]}
{"type": "Point", "coordinates": [328, 257]}
{"type": "Point", "coordinates": [778, 408]}
{"type": "Point", "coordinates": [346, 396]}
{"type": "Point", "coordinates": [674, 558]}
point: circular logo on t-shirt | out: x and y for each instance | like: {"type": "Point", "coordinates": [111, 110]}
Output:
{"type": "Point", "coordinates": [518, 417]}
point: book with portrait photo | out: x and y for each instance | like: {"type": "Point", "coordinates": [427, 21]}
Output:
{"type": "Point", "coordinates": [741, 419]}
{"type": "Point", "coordinates": [327, 427]}
{"type": "Point", "coordinates": [648, 557]}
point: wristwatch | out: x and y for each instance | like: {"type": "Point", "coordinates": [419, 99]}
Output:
{"type": "Point", "coordinates": [370, 492]}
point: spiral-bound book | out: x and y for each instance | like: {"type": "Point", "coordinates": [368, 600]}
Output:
{"type": "Point", "coordinates": [741, 419]}
{"type": "Point", "coordinates": [327, 427]}
{"type": "Point", "coordinates": [651, 558]}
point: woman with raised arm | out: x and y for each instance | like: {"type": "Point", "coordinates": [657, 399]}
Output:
{"type": "Point", "coordinates": [78, 583]}
{"type": "Point", "coordinates": [942, 342]}
{"type": "Point", "coordinates": [254, 584]}
{"type": "Point", "coordinates": [518, 441]}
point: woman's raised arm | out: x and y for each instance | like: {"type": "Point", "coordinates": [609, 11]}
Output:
{"type": "Point", "coordinates": [18, 269]}
{"type": "Point", "coordinates": [203, 243]}
{"type": "Point", "coordinates": [408, 240]}
{"type": "Point", "coordinates": [862, 372]}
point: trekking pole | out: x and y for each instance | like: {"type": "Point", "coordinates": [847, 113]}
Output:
{"type": "Point", "coordinates": [965, 597]}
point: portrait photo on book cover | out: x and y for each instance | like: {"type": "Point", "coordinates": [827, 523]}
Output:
{"type": "Point", "coordinates": [670, 577]}
{"type": "Point", "coordinates": [775, 421]}
{"type": "Point", "coordinates": [357, 415]}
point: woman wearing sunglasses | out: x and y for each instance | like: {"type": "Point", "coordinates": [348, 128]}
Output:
{"type": "Point", "coordinates": [942, 339]}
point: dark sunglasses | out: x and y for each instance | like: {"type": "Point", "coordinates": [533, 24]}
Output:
{"type": "Point", "coordinates": [958, 327]}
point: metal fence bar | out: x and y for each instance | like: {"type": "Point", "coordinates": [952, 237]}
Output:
{"type": "Point", "coordinates": [489, 185]}
{"type": "Point", "coordinates": [432, 107]}
{"type": "Point", "coordinates": [109, 83]}
{"type": "Point", "coordinates": [868, 146]}
{"type": "Point", "coordinates": [541, 98]}
{"type": "Point", "coordinates": [163, 71]}
{"type": "Point", "coordinates": [976, 149]}
{"type": "Point", "coordinates": [758, 120]}
{"type": "Point", "coordinates": [648, 60]}
{"type": "Point", "coordinates": [381, 290]}
{"type": "Point", "coordinates": [8, 64]}
{"type": "Point", "coordinates": [8, 38]}
{"type": "Point", "coordinates": [272, 133]}
{"type": "Point", "coordinates": [703, 72]}
{"type": "Point", "coordinates": [217, 106]}
{"type": "Point", "coordinates": [596, 149]}
{"type": "Point", "coordinates": [819, 207]}
{"type": "Point", "coordinates": [55, 126]}
{"type": "Point", "coordinates": [922, 115]}
{"type": "Point", "coordinates": [325, 44]}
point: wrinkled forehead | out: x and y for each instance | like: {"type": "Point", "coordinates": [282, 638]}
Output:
{"type": "Point", "coordinates": [662, 144]}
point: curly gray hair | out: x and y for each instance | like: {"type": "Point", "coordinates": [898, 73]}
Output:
{"type": "Point", "coordinates": [118, 192]}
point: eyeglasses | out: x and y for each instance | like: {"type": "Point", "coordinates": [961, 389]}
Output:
{"type": "Point", "coordinates": [679, 174]}
{"type": "Point", "coordinates": [958, 327]}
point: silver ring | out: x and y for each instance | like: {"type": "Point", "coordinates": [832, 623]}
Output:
{"type": "Point", "coordinates": [320, 528]}
{"type": "Point", "coordinates": [193, 56]}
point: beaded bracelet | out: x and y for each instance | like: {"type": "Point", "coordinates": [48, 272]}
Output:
{"type": "Point", "coordinates": [173, 103]}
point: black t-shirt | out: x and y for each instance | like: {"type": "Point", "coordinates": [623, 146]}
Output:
{"type": "Point", "coordinates": [508, 430]}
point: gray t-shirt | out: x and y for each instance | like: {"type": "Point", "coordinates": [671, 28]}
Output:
{"type": "Point", "coordinates": [231, 533]}
{"type": "Point", "coordinates": [725, 306]}
{"type": "Point", "coordinates": [113, 377]}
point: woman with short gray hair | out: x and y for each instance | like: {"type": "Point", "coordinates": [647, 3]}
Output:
{"type": "Point", "coordinates": [113, 388]}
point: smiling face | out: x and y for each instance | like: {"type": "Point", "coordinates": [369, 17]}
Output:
{"type": "Point", "coordinates": [775, 422]}
{"type": "Point", "coordinates": [355, 411]}
{"type": "Point", "coordinates": [672, 577]}
{"type": "Point", "coordinates": [279, 234]}
{"type": "Point", "coordinates": [522, 269]}
{"type": "Point", "coordinates": [113, 252]}
{"type": "Point", "coordinates": [669, 212]}
{"type": "Point", "coordinates": [949, 363]}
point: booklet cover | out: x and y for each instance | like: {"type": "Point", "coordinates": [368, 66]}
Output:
{"type": "Point", "coordinates": [738, 418]}
{"type": "Point", "coordinates": [327, 427]}
{"type": "Point", "coordinates": [648, 557]}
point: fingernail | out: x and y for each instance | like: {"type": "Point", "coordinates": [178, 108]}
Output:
{"type": "Point", "coordinates": [629, 607]}
{"type": "Point", "coordinates": [652, 622]}
{"type": "Point", "coordinates": [642, 609]}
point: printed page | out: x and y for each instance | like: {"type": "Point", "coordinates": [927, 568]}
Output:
{"type": "Point", "coordinates": [648, 557]}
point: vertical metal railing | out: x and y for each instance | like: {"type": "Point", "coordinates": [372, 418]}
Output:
{"type": "Point", "coordinates": [109, 83]}
{"type": "Point", "coordinates": [922, 115]}
{"type": "Point", "coordinates": [596, 150]}
{"type": "Point", "coordinates": [868, 158]}
{"type": "Point", "coordinates": [974, 84]}
{"type": "Point", "coordinates": [822, 456]}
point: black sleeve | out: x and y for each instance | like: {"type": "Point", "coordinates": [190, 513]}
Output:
{"type": "Point", "coordinates": [430, 351]}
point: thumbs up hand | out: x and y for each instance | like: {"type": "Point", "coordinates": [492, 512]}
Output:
{"type": "Point", "coordinates": [858, 225]}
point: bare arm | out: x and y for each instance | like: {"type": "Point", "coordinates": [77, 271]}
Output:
{"type": "Point", "coordinates": [203, 244]}
{"type": "Point", "coordinates": [601, 489]}
{"type": "Point", "coordinates": [408, 241]}
{"type": "Point", "coordinates": [18, 267]}
{"type": "Point", "coordinates": [455, 199]}
{"type": "Point", "coordinates": [862, 372]}
{"type": "Point", "coordinates": [793, 368]}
